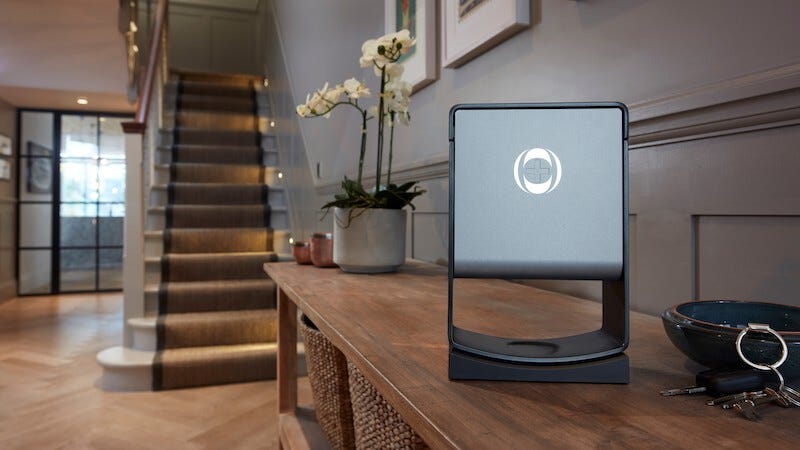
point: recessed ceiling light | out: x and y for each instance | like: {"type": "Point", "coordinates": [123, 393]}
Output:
{"type": "Point", "coordinates": [83, 101]}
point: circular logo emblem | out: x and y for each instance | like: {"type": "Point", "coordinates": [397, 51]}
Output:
{"type": "Point", "coordinates": [537, 171]}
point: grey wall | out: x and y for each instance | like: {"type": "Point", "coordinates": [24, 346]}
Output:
{"type": "Point", "coordinates": [215, 36]}
{"type": "Point", "coordinates": [714, 93]}
{"type": "Point", "coordinates": [8, 204]}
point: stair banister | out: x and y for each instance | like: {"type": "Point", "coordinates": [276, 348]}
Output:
{"type": "Point", "coordinates": [140, 143]}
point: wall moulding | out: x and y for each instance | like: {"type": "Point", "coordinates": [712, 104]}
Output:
{"type": "Point", "coordinates": [764, 99]}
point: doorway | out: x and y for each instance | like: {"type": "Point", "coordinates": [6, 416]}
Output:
{"type": "Point", "coordinates": [71, 202]}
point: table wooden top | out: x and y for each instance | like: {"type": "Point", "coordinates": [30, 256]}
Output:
{"type": "Point", "coordinates": [393, 327]}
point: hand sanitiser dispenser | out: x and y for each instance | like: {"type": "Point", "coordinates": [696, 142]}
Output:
{"type": "Point", "coordinates": [540, 191]}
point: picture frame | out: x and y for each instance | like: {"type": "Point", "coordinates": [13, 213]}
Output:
{"type": "Point", "coordinates": [471, 27]}
{"type": "Point", "coordinates": [419, 16]}
{"type": "Point", "coordinates": [39, 169]}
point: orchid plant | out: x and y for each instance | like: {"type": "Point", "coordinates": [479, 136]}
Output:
{"type": "Point", "coordinates": [382, 54]}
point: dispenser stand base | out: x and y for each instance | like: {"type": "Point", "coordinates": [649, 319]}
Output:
{"type": "Point", "coordinates": [613, 369]}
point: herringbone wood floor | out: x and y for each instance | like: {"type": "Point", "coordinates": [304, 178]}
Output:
{"type": "Point", "coordinates": [49, 397]}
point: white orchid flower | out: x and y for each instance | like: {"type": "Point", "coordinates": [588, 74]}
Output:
{"type": "Point", "coordinates": [394, 70]}
{"type": "Point", "coordinates": [333, 95]}
{"type": "Point", "coordinates": [303, 110]}
{"type": "Point", "coordinates": [372, 111]}
{"type": "Point", "coordinates": [355, 89]}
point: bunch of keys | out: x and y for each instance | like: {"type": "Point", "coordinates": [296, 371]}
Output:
{"type": "Point", "coordinates": [744, 390]}
{"type": "Point", "coordinates": [784, 395]}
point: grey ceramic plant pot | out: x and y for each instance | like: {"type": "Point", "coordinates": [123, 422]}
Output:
{"type": "Point", "coordinates": [369, 240]}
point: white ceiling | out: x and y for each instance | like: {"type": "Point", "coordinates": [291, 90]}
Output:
{"type": "Point", "coordinates": [53, 51]}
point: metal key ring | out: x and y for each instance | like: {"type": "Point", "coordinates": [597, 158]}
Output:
{"type": "Point", "coordinates": [780, 377]}
{"type": "Point", "coordinates": [763, 328]}
{"type": "Point", "coordinates": [791, 395]}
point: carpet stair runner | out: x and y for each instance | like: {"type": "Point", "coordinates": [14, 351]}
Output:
{"type": "Point", "coordinates": [217, 321]}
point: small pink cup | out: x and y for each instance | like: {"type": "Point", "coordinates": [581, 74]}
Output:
{"type": "Point", "coordinates": [301, 251]}
{"type": "Point", "coordinates": [322, 250]}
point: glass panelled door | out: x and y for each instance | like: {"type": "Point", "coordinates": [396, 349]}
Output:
{"type": "Point", "coordinates": [72, 202]}
{"type": "Point", "coordinates": [92, 195]}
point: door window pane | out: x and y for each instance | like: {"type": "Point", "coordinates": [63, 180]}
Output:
{"type": "Point", "coordinates": [35, 220]}
{"type": "Point", "coordinates": [34, 271]}
{"type": "Point", "coordinates": [78, 231]}
{"type": "Point", "coordinates": [110, 268]}
{"type": "Point", "coordinates": [112, 139]}
{"type": "Point", "coordinates": [78, 270]}
{"type": "Point", "coordinates": [110, 231]}
{"type": "Point", "coordinates": [36, 156]}
{"type": "Point", "coordinates": [112, 210]}
{"type": "Point", "coordinates": [79, 137]}
{"type": "Point", "coordinates": [112, 182]}
{"type": "Point", "coordinates": [79, 181]}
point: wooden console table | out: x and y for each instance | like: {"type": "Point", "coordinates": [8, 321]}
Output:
{"type": "Point", "coordinates": [393, 328]}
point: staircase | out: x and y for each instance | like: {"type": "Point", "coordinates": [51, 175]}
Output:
{"type": "Point", "coordinates": [215, 215]}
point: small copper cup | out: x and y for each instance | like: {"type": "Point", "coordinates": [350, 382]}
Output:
{"type": "Point", "coordinates": [301, 251]}
{"type": "Point", "coordinates": [322, 250]}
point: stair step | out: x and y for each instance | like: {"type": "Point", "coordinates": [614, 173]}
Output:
{"type": "Point", "coordinates": [126, 369]}
{"type": "Point", "coordinates": [216, 173]}
{"type": "Point", "coordinates": [153, 274]}
{"type": "Point", "coordinates": [218, 194]}
{"type": "Point", "coordinates": [216, 89]}
{"type": "Point", "coordinates": [144, 333]}
{"type": "Point", "coordinates": [215, 266]}
{"type": "Point", "coordinates": [215, 217]}
{"type": "Point", "coordinates": [166, 138]}
{"type": "Point", "coordinates": [217, 103]}
{"type": "Point", "coordinates": [217, 240]}
{"type": "Point", "coordinates": [216, 120]}
{"type": "Point", "coordinates": [218, 328]}
{"type": "Point", "coordinates": [201, 136]}
{"type": "Point", "coordinates": [228, 295]}
{"type": "Point", "coordinates": [271, 176]}
{"type": "Point", "coordinates": [154, 243]}
{"type": "Point", "coordinates": [234, 79]}
{"type": "Point", "coordinates": [217, 154]}
{"type": "Point", "coordinates": [219, 364]}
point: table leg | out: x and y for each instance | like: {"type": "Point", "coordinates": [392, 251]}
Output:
{"type": "Point", "coordinates": [287, 354]}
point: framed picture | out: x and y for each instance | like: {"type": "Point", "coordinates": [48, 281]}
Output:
{"type": "Point", "coordinates": [40, 169]}
{"type": "Point", "coordinates": [5, 145]}
{"type": "Point", "coordinates": [470, 27]}
{"type": "Point", "coordinates": [419, 17]}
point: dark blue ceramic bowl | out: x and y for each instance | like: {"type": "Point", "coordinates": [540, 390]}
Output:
{"type": "Point", "coordinates": [706, 332]}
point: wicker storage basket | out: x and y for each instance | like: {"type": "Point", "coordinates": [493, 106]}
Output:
{"type": "Point", "coordinates": [327, 374]}
{"type": "Point", "coordinates": [377, 424]}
